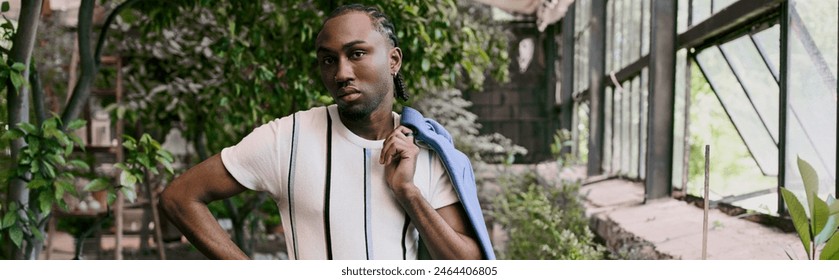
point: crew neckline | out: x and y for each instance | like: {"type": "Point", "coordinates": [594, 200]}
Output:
{"type": "Point", "coordinates": [352, 137]}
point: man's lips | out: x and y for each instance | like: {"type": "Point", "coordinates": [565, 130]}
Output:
{"type": "Point", "coordinates": [347, 90]}
{"type": "Point", "coordinates": [348, 93]}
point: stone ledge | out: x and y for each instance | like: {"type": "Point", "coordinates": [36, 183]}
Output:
{"type": "Point", "coordinates": [672, 229]}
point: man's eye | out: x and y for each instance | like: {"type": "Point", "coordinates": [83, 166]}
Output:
{"type": "Point", "coordinates": [327, 60]}
{"type": "Point", "coordinates": [358, 54]}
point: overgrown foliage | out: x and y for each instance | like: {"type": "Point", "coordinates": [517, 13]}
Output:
{"type": "Point", "coordinates": [48, 167]}
{"type": "Point", "coordinates": [818, 231]}
{"type": "Point", "coordinates": [144, 159]}
{"type": "Point", "coordinates": [543, 221]}
{"type": "Point", "coordinates": [225, 67]}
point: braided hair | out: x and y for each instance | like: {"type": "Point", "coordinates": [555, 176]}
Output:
{"type": "Point", "coordinates": [384, 26]}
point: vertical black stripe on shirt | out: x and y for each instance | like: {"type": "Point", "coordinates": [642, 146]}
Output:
{"type": "Point", "coordinates": [405, 236]}
{"type": "Point", "coordinates": [291, 163]}
{"type": "Point", "coordinates": [328, 186]}
{"type": "Point", "coordinates": [366, 214]}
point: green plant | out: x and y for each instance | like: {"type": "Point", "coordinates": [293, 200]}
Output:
{"type": "Point", "coordinates": [543, 221]}
{"type": "Point", "coordinates": [143, 157]}
{"type": "Point", "coordinates": [820, 228]}
{"type": "Point", "coordinates": [562, 141]}
{"type": "Point", "coordinates": [49, 171]}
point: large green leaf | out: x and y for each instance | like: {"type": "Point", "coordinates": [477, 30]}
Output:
{"type": "Point", "coordinates": [17, 235]}
{"type": "Point", "coordinates": [9, 219]}
{"type": "Point", "coordinates": [97, 184]}
{"type": "Point", "coordinates": [811, 182]}
{"type": "Point", "coordinates": [829, 227]}
{"type": "Point", "coordinates": [833, 205]}
{"type": "Point", "coordinates": [819, 217]}
{"type": "Point", "coordinates": [126, 179]}
{"type": "Point", "coordinates": [130, 194]}
{"type": "Point", "coordinates": [799, 218]}
{"type": "Point", "coordinates": [76, 124]}
{"type": "Point", "coordinates": [36, 183]}
{"type": "Point", "coordinates": [57, 160]}
{"type": "Point", "coordinates": [17, 79]}
{"type": "Point", "coordinates": [28, 128]}
{"type": "Point", "coordinates": [45, 200]}
{"type": "Point", "coordinates": [36, 232]}
{"type": "Point", "coordinates": [12, 134]}
{"type": "Point", "coordinates": [67, 187]}
{"type": "Point", "coordinates": [831, 249]}
{"type": "Point", "coordinates": [79, 164]}
{"type": "Point", "coordinates": [17, 66]}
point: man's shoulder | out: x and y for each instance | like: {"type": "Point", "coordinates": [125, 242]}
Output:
{"type": "Point", "coordinates": [308, 115]}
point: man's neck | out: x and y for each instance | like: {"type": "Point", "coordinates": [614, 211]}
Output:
{"type": "Point", "coordinates": [377, 126]}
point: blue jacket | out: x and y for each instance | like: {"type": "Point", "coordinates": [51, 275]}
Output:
{"type": "Point", "coordinates": [458, 167]}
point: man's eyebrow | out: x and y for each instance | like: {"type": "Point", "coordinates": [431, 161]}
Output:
{"type": "Point", "coordinates": [344, 47]}
{"type": "Point", "coordinates": [353, 43]}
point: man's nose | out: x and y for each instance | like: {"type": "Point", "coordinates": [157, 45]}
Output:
{"type": "Point", "coordinates": [345, 73]}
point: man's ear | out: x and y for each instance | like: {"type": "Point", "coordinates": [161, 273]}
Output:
{"type": "Point", "coordinates": [395, 56]}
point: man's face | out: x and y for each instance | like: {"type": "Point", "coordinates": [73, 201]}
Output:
{"type": "Point", "coordinates": [356, 64]}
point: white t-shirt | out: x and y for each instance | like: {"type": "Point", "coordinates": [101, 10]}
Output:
{"type": "Point", "coordinates": [330, 188]}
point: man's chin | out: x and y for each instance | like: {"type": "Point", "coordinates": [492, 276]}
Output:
{"type": "Point", "coordinates": [353, 111]}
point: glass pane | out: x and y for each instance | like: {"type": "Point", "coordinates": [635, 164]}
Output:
{"type": "Point", "coordinates": [701, 11]}
{"type": "Point", "coordinates": [756, 78]}
{"type": "Point", "coordinates": [811, 107]}
{"type": "Point", "coordinates": [619, 43]}
{"type": "Point", "coordinates": [635, 30]}
{"type": "Point", "coordinates": [645, 28]}
{"type": "Point", "coordinates": [769, 43]}
{"type": "Point", "coordinates": [679, 123]}
{"type": "Point", "coordinates": [681, 17]}
{"type": "Point", "coordinates": [607, 132]}
{"type": "Point", "coordinates": [733, 172]}
{"type": "Point", "coordinates": [740, 110]}
{"type": "Point", "coordinates": [626, 124]}
{"type": "Point", "coordinates": [610, 30]}
{"type": "Point", "coordinates": [820, 19]}
{"type": "Point", "coordinates": [586, 37]}
{"type": "Point", "coordinates": [626, 33]}
{"type": "Point", "coordinates": [645, 97]}
{"type": "Point", "coordinates": [636, 113]}
{"type": "Point", "coordinates": [617, 130]}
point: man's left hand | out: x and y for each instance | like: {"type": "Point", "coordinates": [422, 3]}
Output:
{"type": "Point", "coordinates": [399, 155]}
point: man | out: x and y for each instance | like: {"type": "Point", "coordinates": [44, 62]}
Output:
{"type": "Point", "coordinates": [349, 181]}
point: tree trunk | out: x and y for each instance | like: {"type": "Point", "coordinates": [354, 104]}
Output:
{"type": "Point", "coordinates": [88, 66]}
{"type": "Point", "coordinates": [89, 60]}
{"type": "Point", "coordinates": [38, 97]}
{"type": "Point", "coordinates": [18, 101]}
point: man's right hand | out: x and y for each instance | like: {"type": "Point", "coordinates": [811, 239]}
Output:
{"type": "Point", "coordinates": [185, 201]}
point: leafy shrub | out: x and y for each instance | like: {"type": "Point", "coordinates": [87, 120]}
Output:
{"type": "Point", "coordinates": [819, 229]}
{"type": "Point", "coordinates": [543, 221]}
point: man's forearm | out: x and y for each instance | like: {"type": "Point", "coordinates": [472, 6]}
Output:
{"type": "Point", "coordinates": [199, 226]}
{"type": "Point", "coordinates": [442, 240]}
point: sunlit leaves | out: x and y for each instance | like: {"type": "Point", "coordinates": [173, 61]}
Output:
{"type": "Point", "coordinates": [821, 225]}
